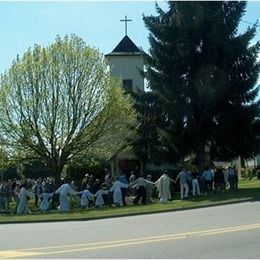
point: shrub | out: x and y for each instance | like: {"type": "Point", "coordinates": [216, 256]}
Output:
{"type": "Point", "coordinates": [248, 173]}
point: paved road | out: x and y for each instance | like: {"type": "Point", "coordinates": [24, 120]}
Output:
{"type": "Point", "coordinates": [231, 231]}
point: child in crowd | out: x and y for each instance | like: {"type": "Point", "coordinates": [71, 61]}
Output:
{"type": "Point", "coordinates": [99, 196]}
{"type": "Point", "coordinates": [45, 201]}
{"type": "Point", "coordinates": [86, 195]}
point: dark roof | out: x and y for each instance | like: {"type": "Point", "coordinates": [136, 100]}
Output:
{"type": "Point", "coordinates": [126, 45]}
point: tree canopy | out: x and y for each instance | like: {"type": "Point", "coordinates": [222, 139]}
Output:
{"type": "Point", "coordinates": [60, 101]}
{"type": "Point", "coordinates": [204, 73]}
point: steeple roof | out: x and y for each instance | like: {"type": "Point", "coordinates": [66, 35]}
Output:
{"type": "Point", "coordinates": [126, 45]}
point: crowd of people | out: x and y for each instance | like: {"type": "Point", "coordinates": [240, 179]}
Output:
{"type": "Point", "coordinates": [117, 191]}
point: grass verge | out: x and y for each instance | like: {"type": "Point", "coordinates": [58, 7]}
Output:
{"type": "Point", "coordinates": [248, 191]}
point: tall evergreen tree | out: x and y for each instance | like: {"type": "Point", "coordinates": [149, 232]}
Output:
{"type": "Point", "coordinates": [204, 73]}
{"type": "Point", "coordinates": [151, 119]}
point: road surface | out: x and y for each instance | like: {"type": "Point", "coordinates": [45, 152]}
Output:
{"type": "Point", "coordinates": [230, 231]}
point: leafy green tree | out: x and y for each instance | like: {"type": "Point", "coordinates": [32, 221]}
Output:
{"type": "Point", "coordinates": [60, 102]}
{"type": "Point", "coordinates": [204, 73]}
{"type": "Point", "coordinates": [4, 163]}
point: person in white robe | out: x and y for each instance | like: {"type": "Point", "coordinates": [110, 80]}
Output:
{"type": "Point", "coordinates": [117, 194]}
{"type": "Point", "coordinates": [23, 196]}
{"type": "Point", "coordinates": [64, 191]}
{"type": "Point", "coordinates": [99, 197]}
{"type": "Point", "coordinates": [86, 195]}
{"type": "Point", "coordinates": [45, 203]}
{"type": "Point", "coordinates": [163, 186]}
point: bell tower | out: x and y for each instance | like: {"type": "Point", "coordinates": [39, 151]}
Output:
{"type": "Point", "coordinates": [127, 62]}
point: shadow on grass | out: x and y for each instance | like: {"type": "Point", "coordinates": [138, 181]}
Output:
{"type": "Point", "coordinates": [243, 194]}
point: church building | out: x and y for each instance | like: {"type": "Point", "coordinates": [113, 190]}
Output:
{"type": "Point", "coordinates": [126, 62]}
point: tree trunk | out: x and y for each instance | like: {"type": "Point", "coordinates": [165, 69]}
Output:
{"type": "Point", "coordinates": [201, 156]}
{"type": "Point", "coordinates": [56, 171]}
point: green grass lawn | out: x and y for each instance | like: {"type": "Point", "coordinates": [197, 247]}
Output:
{"type": "Point", "coordinates": [248, 190]}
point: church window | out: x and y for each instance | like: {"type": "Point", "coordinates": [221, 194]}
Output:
{"type": "Point", "coordinates": [128, 84]}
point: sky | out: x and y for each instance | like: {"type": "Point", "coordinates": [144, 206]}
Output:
{"type": "Point", "coordinates": [25, 23]}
